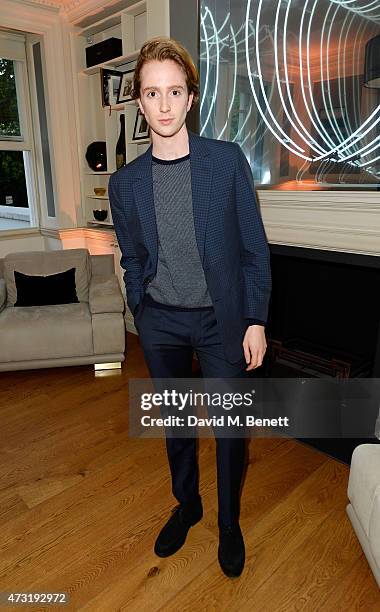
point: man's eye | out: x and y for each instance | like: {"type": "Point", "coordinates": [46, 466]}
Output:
{"type": "Point", "coordinates": [176, 91]}
{"type": "Point", "coordinates": [151, 92]}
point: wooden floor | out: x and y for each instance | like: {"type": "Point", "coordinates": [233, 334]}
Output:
{"type": "Point", "coordinates": [81, 504]}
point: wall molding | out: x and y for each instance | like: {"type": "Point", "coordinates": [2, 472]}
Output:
{"type": "Point", "coordinates": [19, 233]}
{"type": "Point", "coordinates": [50, 232]}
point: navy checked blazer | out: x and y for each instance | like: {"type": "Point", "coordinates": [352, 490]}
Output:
{"type": "Point", "coordinates": [228, 227]}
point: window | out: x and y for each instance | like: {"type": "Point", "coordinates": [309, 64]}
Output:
{"type": "Point", "coordinates": [18, 191]}
{"type": "Point", "coordinates": [10, 121]}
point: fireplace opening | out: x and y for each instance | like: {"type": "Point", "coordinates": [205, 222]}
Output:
{"type": "Point", "coordinates": [323, 321]}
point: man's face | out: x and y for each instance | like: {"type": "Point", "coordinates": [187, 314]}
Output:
{"type": "Point", "coordinates": [164, 98]}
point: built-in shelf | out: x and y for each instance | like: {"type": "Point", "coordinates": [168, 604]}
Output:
{"type": "Point", "coordinates": [113, 63]}
{"type": "Point", "coordinates": [113, 20]}
{"type": "Point", "coordinates": [106, 172]}
{"type": "Point", "coordinates": [140, 141]}
{"type": "Point", "coordinates": [104, 223]}
{"type": "Point", "coordinates": [120, 106]}
{"type": "Point", "coordinates": [115, 107]}
{"type": "Point", "coordinates": [134, 24]}
{"type": "Point", "coordinates": [102, 24]}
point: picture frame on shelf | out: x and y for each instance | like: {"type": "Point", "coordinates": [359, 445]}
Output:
{"type": "Point", "coordinates": [124, 91]}
{"type": "Point", "coordinates": [110, 85]}
{"type": "Point", "coordinates": [141, 129]}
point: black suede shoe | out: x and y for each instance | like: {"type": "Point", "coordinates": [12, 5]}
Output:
{"type": "Point", "coordinates": [173, 535]}
{"type": "Point", "coordinates": [231, 551]}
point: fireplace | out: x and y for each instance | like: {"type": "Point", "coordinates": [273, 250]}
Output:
{"type": "Point", "coordinates": [325, 310]}
{"type": "Point", "coordinates": [324, 321]}
{"type": "Point", "coordinates": [324, 314]}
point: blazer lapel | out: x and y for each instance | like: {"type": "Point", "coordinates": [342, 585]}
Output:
{"type": "Point", "coordinates": [201, 177]}
{"type": "Point", "coordinates": [143, 192]}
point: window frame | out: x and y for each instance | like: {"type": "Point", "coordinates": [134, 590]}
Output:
{"type": "Point", "coordinates": [25, 142]}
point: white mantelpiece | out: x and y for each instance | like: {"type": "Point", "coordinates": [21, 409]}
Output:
{"type": "Point", "coordinates": [347, 221]}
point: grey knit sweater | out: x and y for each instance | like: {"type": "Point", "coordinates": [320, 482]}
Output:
{"type": "Point", "coordinates": [180, 279]}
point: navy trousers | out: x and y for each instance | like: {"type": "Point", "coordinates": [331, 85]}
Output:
{"type": "Point", "coordinates": [168, 337]}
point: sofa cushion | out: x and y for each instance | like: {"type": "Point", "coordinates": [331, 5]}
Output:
{"type": "Point", "coordinates": [37, 290]}
{"type": "Point", "coordinates": [45, 332]}
{"type": "Point", "coordinates": [105, 294]}
{"type": "Point", "coordinates": [48, 262]}
{"type": "Point", "coordinates": [108, 330]}
{"type": "Point", "coordinates": [364, 481]}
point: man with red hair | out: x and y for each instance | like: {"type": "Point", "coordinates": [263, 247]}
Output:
{"type": "Point", "coordinates": [197, 273]}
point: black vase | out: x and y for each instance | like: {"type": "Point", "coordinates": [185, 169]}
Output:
{"type": "Point", "coordinates": [96, 156]}
{"type": "Point", "coordinates": [120, 145]}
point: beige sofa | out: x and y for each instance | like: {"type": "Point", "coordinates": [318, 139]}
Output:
{"type": "Point", "coordinates": [89, 332]}
{"type": "Point", "coordinates": [364, 507]}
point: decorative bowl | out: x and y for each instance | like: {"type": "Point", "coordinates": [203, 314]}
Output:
{"type": "Point", "coordinates": [96, 156]}
{"type": "Point", "coordinates": [99, 191]}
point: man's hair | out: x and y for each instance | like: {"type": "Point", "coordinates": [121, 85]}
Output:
{"type": "Point", "coordinates": [162, 48]}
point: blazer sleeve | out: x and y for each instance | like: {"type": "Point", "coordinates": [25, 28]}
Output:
{"type": "Point", "coordinates": [255, 254]}
{"type": "Point", "coordinates": [129, 260]}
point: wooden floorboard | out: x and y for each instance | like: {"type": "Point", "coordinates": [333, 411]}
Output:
{"type": "Point", "coordinates": [81, 504]}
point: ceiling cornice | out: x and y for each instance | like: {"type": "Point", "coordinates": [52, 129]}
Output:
{"type": "Point", "coordinates": [80, 9]}
{"type": "Point", "coordinates": [74, 10]}
{"type": "Point", "coordinates": [48, 3]}
{"type": "Point", "coordinates": [65, 5]}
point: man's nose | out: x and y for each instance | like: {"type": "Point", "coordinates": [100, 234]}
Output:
{"type": "Point", "coordinates": [164, 105]}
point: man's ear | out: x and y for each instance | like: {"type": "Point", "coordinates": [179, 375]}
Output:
{"type": "Point", "coordinates": [190, 101]}
{"type": "Point", "coordinates": [140, 106]}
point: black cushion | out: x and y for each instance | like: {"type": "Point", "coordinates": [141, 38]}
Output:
{"type": "Point", "coordinates": [42, 290]}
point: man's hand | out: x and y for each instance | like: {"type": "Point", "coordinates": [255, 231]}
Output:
{"type": "Point", "coordinates": [254, 345]}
